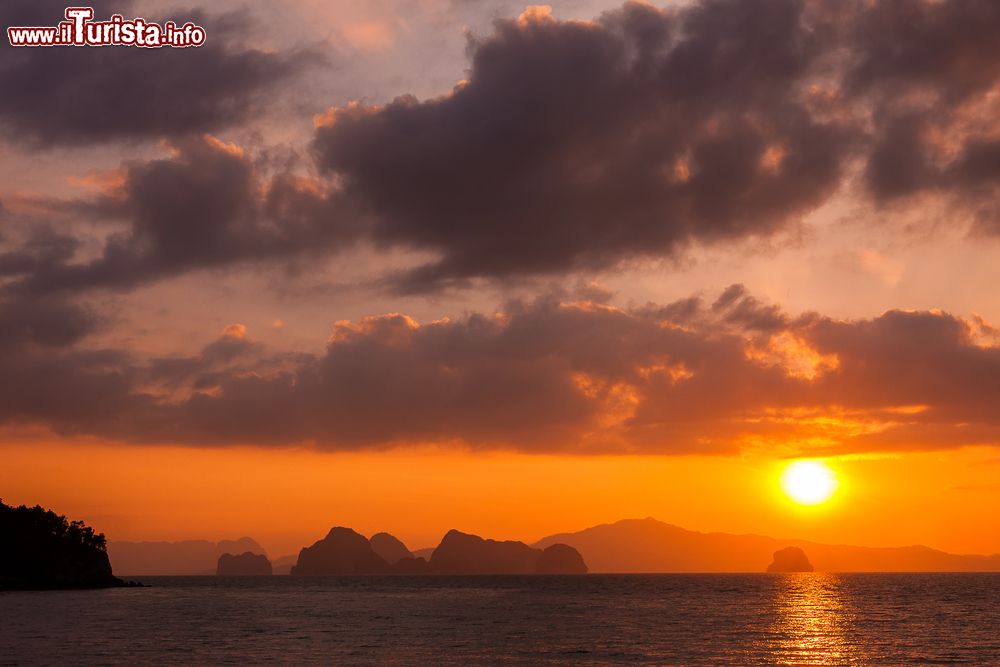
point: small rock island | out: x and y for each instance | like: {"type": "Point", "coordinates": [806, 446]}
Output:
{"type": "Point", "coordinates": [246, 564]}
{"type": "Point", "coordinates": [42, 551]}
{"type": "Point", "coordinates": [790, 559]}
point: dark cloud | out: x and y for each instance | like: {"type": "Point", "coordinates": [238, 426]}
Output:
{"type": "Point", "coordinates": [571, 146]}
{"type": "Point", "coordinates": [579, 144]}
{"type": "Point", "coordinates": [929, 71]}
{"type": "Point", "coordinates": [576, 144]}
{"type": "Point", "coordinates": [45, 322]}
{"type": "Point", "coordinates": [48, 379]}
{"type": "Point", "coordinates": [204, 206]}
{"type": "Point", "coordinates": [545, 376]}
{"type": "Point", "coordinates": [43, 248]}
{"type": "Point", "coordinates": [77, 96]}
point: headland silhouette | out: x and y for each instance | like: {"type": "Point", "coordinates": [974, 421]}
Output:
{"type": "Point", "coordinates": [44, 550]}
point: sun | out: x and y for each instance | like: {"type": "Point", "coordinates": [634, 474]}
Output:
{"type": "Point", "coordinates": [809, 482]}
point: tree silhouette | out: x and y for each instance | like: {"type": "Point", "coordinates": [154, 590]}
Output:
{"type": "Point", "coordinates": [42, 549]}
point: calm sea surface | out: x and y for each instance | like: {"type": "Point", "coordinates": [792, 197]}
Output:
{"type": "Point", "coordinates": [597, 619]}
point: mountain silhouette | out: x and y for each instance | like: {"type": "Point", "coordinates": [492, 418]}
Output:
{"type": "Point", "coordinates": [461, 553]}
{"type": "Point", "coordinates": [186, 557]}
{"type": "Point", "coordinates": [42, 550]}
{"type": "Point", "coordinates": [242, 565]}
{"type": "Point", "coordinates": [341, 552]}
{"type": "Point", "coordinates": [648, 545]}
{"type": "Point", "coordinates": [790, 559]}
{"type": "Point", "coordinates": [389, 548]}
{"type": "Point", "coordinates": [346, 552]}
{"type": "Point", "coordinates": [560, 559]}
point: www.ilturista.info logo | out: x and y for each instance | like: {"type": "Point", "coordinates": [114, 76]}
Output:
{"type": "Point", "coordinates": [80, 30]}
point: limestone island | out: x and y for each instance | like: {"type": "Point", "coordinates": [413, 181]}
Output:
{"type": "Point", "coordinates": [346, 552]}
{"type": "Point", "coordinates": [246, 564]}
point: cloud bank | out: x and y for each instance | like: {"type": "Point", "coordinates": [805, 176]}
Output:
{"type": "Point", "coordinates": [570, 146]}
{"type": "Point", "coordinates": [549, 375]}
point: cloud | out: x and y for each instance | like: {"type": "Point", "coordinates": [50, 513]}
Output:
{"type": "Point", "coordinates": [204, 206]}
{"type": "Point", "coordinates": [47, 378]}
{"type": "Point", "coordinates": [576, 144]}
{"type": "Point", "coordinates": [547, 376]}
{"type": "Point", "coordinates": [929, 72]}
{"type": "Point", "coordinates": [571, 146]}
{"type": "Point", "coordinates": [80, 96]}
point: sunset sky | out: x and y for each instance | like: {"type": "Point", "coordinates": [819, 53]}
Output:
{"type": "Point", "coordinates": [411, 265]}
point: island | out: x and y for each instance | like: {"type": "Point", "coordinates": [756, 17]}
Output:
{"type": "Point", "coordinates": [246, 564]}
{"type": "Point", "coordinates": [790, 559]}
{"type": "Point", "coordinates": [389, 548]}
{"type": "Point", "coordinates": [42, 550]}
{"type": "Point", "coordinates": [346, 552]}
{"type": "Point", "coordinates": [341, 552]}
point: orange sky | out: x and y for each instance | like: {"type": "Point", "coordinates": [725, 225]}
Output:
{"type": "Point", "coordinates": [288, 499]}
{"type": "Point", "coordinates": [706, 242]}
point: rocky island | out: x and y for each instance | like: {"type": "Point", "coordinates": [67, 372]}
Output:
{"type": "Point", "coordinates": [346, 552]}
{"type": "Point", "coordinates": [246, 564]}
{"type": "Point", "coordinates": [341, 552]}
{"type": "Point", "coordinates": [790, 559]}
{"type": "Point", "coordinates": [389, 548]}
{"type": "Point", "coordinates": [42, 550]}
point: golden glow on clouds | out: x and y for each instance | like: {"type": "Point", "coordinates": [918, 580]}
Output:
{"type": "Point", "coordinates": [772, 158]}
{"type": "Point", "coordinates": [535, 14]}
{"type": "Point", "coordinates": [373, 35]}
{"type": "Point", "coordinates": [793, 355]}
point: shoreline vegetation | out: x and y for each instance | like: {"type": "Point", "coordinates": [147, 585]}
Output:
{"type": "Point", "coordinates": [42, 550]}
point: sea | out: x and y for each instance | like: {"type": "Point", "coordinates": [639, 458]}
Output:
{"type": "Point", "coordinates": [664, 619]}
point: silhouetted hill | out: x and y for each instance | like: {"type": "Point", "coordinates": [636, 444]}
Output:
{"type": "Point", "coordinates": [42, 550]}
{"type": "Point", "coordinates": [790, 559]}
{"type": "Point", "coordinates": [648, 545]}
{"type": "Point", "coordinates": [187, 557]}
{"type": "Point", "coordinates": [461, 553]}
{"type": "Point", "coordinates": [346, 552]}
{"type": "Point", "coordinates": [341, 552]}
{"type": "Point", "coordinates": [561, 559]}
{"type": "Point", "coordinates": [243, 565]}
{"type": "Point", "coordinates": [389, 548]}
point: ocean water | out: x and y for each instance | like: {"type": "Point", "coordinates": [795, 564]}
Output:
{"type": "Point", "coordinates": [821, 619]}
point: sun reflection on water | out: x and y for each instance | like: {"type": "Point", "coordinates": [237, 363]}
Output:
{"type": "Point", "coordinates": [813, 624]}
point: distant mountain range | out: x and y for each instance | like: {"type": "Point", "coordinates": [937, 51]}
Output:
{"type": "Point", "coordinates": [186, 557]}
{"type": "Point", "coordinates": [631, 545]}
{"type": "Point", "coordinates": [648, 545]}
